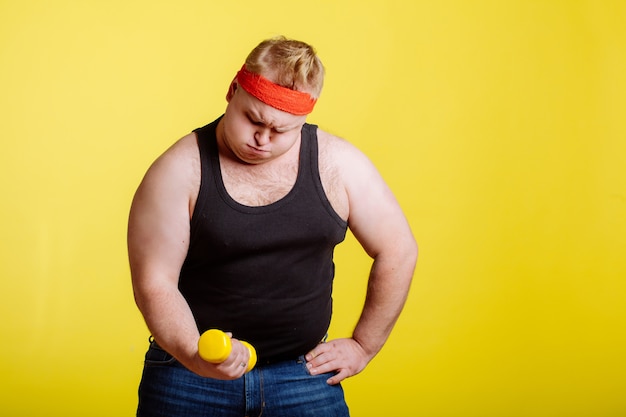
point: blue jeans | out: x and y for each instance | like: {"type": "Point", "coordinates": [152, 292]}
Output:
{"type": "Point", "coordinates": [282, 389]}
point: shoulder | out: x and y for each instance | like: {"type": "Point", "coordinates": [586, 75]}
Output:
{"type": "Point", "coordinates": [180, 155]}
{"type": "Point", "coordinates": [350, 163]}
{"type": "Point", "coordinates": [181, 161]}
{"type": "Point", "coordinates": [340, 153]}
{"type": "Point", "coordinates": [175, 175]}
{"type": "Point", "coordinates": [330, 144]}
{"type": "Point", "coordinates": [345, 172]}
{"type": "Point", "coordinates": [371, 209]}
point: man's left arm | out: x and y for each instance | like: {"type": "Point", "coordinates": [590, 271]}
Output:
{"type": "Point", "coordinates": [378, 223]}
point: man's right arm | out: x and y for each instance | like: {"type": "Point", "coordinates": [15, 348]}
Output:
{"type": "Point", "coordinates": [158, 240]}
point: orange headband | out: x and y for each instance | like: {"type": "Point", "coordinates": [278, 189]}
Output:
{"type": "Point", "coordinates": [279, 97]}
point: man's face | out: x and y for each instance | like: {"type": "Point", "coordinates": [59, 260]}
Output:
{"type": "Point", "coordinates": [256, 132]}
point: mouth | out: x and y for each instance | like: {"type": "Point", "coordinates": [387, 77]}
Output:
{"type": "Point", "coordinates": [257, 151]}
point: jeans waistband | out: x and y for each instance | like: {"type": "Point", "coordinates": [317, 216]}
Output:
{"type": "Point", "coordinates": [260, 362]}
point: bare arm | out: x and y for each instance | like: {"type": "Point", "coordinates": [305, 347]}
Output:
{"type": "Point", "coordinates": [382, 229]}
{"type": "Point", "coordinates": [379, 225]}
{"type": "Point", "coordinates": [158, 240]}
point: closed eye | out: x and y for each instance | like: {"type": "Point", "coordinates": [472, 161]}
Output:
{"type": "Point", "coordinates": [260, 123]}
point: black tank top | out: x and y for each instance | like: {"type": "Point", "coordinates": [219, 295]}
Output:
{"type": "Point", "coordinates": [263, 273]}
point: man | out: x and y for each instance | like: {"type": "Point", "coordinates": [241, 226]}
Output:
{"type": "Point", "coordinates": [234, 228]}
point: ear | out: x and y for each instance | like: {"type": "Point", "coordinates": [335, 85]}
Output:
{"type": "Point", "coordinates": [231, 90]}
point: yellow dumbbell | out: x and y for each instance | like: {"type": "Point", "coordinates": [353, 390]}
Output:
{"type": "Point", "coordinates": [214, 346]}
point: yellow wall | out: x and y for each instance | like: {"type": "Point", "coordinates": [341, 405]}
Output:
{"type": "Point", "coordinates": [499, 124]}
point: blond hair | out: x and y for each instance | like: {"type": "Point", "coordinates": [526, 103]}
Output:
{"type": "Point", "coordinates": [288, 63]}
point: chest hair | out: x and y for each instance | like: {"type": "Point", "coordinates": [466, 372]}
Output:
{"type": "Point", "coordinates": [255, 186]}
{"type": "Point", "coordinates": [264, 184]}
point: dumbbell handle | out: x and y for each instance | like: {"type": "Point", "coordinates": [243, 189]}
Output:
{"type": "Point", "coordinates": [214, 346]}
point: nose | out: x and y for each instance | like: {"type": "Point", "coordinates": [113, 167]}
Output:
{"type": "Point", "coordinates": [262, 136]}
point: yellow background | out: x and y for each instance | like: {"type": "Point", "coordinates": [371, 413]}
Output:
{"type": "Point", "coordinates": [500, 125]}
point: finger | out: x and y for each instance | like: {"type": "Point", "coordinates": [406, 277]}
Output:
{"type": "Point", "coordinates": [241, 357]}
{"type": "Point", "coordinates": [236, 355]}
{"type": "Point", "coordinates": [338, 377]}
{"type": "Point", "coordinates": [243, 350]}
{"type": "Point", "coordinates": [317, 351]}
{"type": "Point", "coordinates": [319, 364]}
{"type": "Point", "coordinates": [323, 364]}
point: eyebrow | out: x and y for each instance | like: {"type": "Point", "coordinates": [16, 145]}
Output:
{"type": "Point", "coordinates": [256, 119]}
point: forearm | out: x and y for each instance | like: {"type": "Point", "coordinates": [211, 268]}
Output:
{"type": "Point", "coordinates": [169, 319]}
{"type": "Point", "coordinates": [388, 287]}
{"type": "Point", "coordinates": [390, 279]}
{"type": "Point", "coordinates": [171, 322]}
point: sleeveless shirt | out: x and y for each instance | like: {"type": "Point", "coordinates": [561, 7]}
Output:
{"type": "Point", "coordinates": [263, 273]}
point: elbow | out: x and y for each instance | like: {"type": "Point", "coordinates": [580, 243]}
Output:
{"type": "Point", "coordinates": [402, 256]}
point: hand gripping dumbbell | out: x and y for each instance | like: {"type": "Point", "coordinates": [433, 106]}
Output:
{"type": "Point", "coordinates": [214, 346]}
